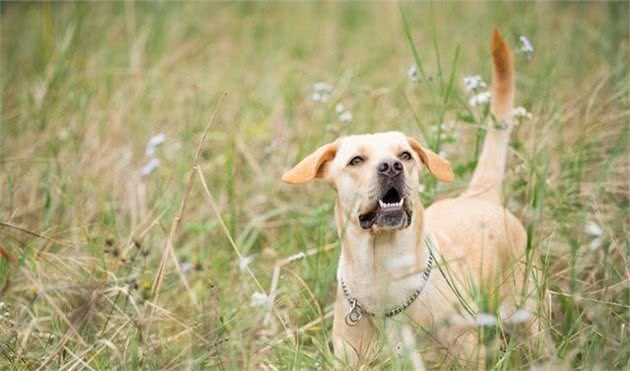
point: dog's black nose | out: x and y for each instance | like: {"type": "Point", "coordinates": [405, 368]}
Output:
{"type": "Point", "coordinates": [390, 168]}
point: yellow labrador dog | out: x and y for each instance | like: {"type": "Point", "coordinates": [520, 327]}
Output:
{"type": "Point", "coordinates": [401, 261]}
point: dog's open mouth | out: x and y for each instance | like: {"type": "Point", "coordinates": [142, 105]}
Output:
{"type": "Point", "coordinates": [391, 211]}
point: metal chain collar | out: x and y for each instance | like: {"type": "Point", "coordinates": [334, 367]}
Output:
{"type": "Point", "coordinates": [356, 310]}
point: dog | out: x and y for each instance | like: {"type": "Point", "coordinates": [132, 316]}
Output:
{"type": "Point", "coordinates": [400, 261]}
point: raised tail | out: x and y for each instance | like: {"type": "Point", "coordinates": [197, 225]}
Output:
{"type": "Point", "coordinates": [488, 176]}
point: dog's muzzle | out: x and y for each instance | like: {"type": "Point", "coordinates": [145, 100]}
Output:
{"type": "Point", "coordinates": [391, 211]}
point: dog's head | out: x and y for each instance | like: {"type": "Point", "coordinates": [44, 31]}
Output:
{"type": "Point", "coordinates": [375, 176]}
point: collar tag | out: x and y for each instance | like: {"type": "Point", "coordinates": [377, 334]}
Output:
{"type": "Point", "coordinates": [354, 314]}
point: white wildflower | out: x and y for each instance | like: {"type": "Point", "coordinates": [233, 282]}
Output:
{"type": "Point", "coordinates": [150, 151]}
{"type": "Point", "coordinates": [269, 148]}
{"type": "Point", "coordinates": [157, 139]}
{"type": "Point", "coordinates": [521, 113]}
{"type": "Point", "coordinates": [153, 164]}
{"type": "Point", "coordinates": [244, 261]}
{"type": "Point", "coordinates": [259, 299]}
{"type": "Point", "coordinates": [593, 229]}
{"type": "Point", "coordinates": [320, 87]}
{"type": "Point", "coordinates": [412, 73]}
{"type": "Point", "coordinates": [480, 99]}
{"type": "Point", "coordinates": [474, 83]}
{"type": "Point", "coordinates": [346, 117]}
{"type": "Point", "coordinates": [526, 46]}
{"type": "Point", "coordinates": [153, 143]}
{"type": "Point", "coordinates": [520, 316]}
{"type": "Point", "coordinates": [316, 97]}
{"type": "Point", "coordinates": [186, 267]}
{"type": "Point", "coordinates": [595, 243]}
{"type": "Point", "coordinates": [421, 188]}
{"type": "Point", "coordinates": [339, 108]}
{"type": "Point", "coordinates": [5, 314]}
{"type": "Point", "coordinates": [485, 319]}
{"type": "Point", "coordinates": [321, 92]}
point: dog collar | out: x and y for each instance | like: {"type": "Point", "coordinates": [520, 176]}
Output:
{"type": "Point", "coordinates": [356, 310]}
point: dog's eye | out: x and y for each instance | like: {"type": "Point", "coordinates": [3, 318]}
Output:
{"type": "Point", "coordinates": [405, 156]}
{"type": "Point", "coordinates": [356, 160]}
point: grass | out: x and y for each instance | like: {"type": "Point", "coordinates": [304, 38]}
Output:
{"type": "Point", "coordinates": [83, 233]}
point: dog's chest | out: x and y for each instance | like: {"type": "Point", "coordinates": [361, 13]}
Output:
{"type": "Point", "coordinates": [381, 282]}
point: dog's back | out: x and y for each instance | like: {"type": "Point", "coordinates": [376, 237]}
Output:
{"type": "Point", "coordinates": [475, 233]}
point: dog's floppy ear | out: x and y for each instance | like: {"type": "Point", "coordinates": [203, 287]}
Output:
{"type": "Point", "coordinates": [312, 165]}
{"type": "Point", "coordinates": [438, 166]}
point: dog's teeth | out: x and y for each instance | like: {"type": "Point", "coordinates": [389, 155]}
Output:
{"type": "Point", "coordinates": [393, 205]}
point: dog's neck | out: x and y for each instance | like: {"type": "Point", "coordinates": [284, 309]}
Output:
{"type": "Point", "coordinates": [381, 269]}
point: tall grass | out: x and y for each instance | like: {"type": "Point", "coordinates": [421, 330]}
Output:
{"type": "Point", "coordinates": [83, 232]}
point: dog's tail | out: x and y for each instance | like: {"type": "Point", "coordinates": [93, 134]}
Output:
{"type": "Point", "coordinates": [488, 176]}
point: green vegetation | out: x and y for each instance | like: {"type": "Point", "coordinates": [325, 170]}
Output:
{"type": "Point", "coordinates": [84, 234]}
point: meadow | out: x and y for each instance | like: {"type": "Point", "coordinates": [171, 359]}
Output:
{"type": "Point", "coordinates": [143, 223]}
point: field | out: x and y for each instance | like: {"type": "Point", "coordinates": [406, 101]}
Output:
{"type": "Point", "coordinates": [132, 238]}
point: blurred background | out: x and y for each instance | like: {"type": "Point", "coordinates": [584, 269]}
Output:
{"type": "Point", "coordinates": [103, 109]}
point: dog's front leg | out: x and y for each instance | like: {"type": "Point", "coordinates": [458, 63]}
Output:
{"type": "Point", "coordinates": [355, 345]}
